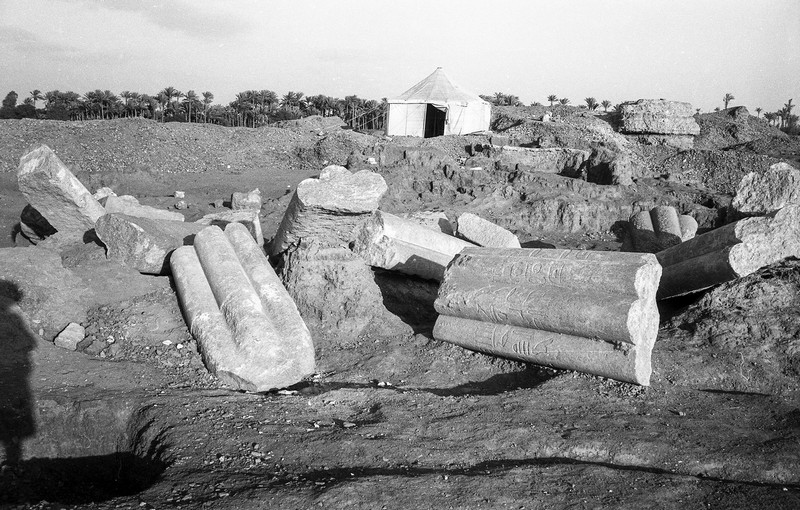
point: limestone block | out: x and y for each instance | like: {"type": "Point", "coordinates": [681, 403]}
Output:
{"type": "Point", "coordinates": [482, 232]}
{"type": "Point", "coordinates": [329, 208]}
{"type": "Point", "coordinates": [730, 252]}
{"type": "Point", "coordinates": [658, 229]}
{"type": "Point", "coordinates": [248, 328]}
{"type": "Point", "coordinates": [435, 220]}
{"type": "Point", "coordinates": [130, 206]}
{"type": "Point", "coordinates": [333, 172]}
{"type": "Point", "coordinates": [70, 337]}
{"type": "Point", "coordinates": [250, 200]}
{"type": "Point", "coordinates": [56, 193]}
{"type": "Point", "coordinates": [761, 194]}
{"type": "Point", "coordinates": [580, 310]}
{"type": "Point", "coordinates": [142, 243]}
{"type": "Point", "coordinates": [658, 116]}
{"type": "Point", "coordinates": [250, 218]}
{"type": "Point", "coordinates": [393, 243]}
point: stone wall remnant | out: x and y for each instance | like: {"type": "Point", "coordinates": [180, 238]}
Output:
{"type": "Point", "coordinates": [249, 330]}
{"type": "Point", "coordinates": [579, 310]}
{"type": "Point", "coordinates": [732, 251]}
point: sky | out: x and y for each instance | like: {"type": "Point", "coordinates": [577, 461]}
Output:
{"type": "Point", "coordinates": [620, 50]}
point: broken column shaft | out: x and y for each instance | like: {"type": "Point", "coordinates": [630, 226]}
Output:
{"type": "Point", "coordinates": [394, 243]}
{"type": "Point", "coordinates": [729, 252]}
{"type": "Point", "coordinates": [600, 305]}
{"type": "Point", "coordinates": [269, 345]}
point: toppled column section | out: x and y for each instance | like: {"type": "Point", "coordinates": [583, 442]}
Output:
{"type": "Point", "coordinates": [56, 193]}
{"type": "Point", "coordinates": [483, 232]}
{"type": "Point", "coordinates": [329, 208]}
{"type": "Point", "coordinates": [390, 242]}
{"type": "Point", "coordinates": [248, 328]}
{"type": "Point", "coordinates": [730, 252]}
{"type": "Point", "coordinates": [660, 228]}
{"type": "Point", "coordinates": [250, 218]}
{"type": "Point", "coordinates": [579, 310]}
{"type": "Point", "coordinates": [129, 205]}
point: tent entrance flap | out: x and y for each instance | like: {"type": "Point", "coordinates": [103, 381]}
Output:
{"type": "Point", "coordinates": [435, 120]}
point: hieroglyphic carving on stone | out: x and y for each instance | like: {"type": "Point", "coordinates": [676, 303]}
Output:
{"type": "Point", "coordinates": [563, 306]}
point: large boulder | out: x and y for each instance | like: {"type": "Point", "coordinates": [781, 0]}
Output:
{"type": "Point", "coordinates": [658, 116]}
{"type": "Point", "coordinates": [760, 194]}
{"type": "Point", "coordinates": [143, 243]}
{"type": "Point", "coordinates": [328, 209]}
{"type": "Point", "coordinates": [57, 194]}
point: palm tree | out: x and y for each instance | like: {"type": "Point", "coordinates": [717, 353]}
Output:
{"type": "Point", "coordinates": [563, 100]}
{"type": "Point", "coordinates": [605, 103]}
{"type": "Point", "coordinates": [189, 100]}
{"type": "Point", "coordinates": [126, 95]}
{"type": "Point", "coordinates": [552, 98]}
{"type": "Point", "coordinates": [36, 95]}
{"type": "Point", "coordinates": [716, 108]}
{"type": "Point", "coordinates": [786, 113]}
{"type": "Point", "coordinates": [727, 99]}
{"type": "Point", "coordinates": [208, 98]}
{"type": "Point", "coordinates": [758, 111]}
{"type": "Point", "coordinates": [591, 103]}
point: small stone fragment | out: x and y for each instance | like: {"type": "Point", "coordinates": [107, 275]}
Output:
{"type": "Point", "coordinates": [179, 195]}
{"type": "Point", "coordinates": [103, 192]}
{"type": "Point", "coordinates": [250, 200]}
{"type": "Point", "coordinates": [70, 337]}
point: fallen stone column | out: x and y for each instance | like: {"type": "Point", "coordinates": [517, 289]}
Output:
{"type": "Point", "coordinates": [328, 209]}
{"type": "Point", "coordinates": [267, 351]}
{"type": "Point", "coordinates": [393, 243]}
{"type": "Point", "coordinates": [250, 218]}
{"type": "Point", "coordinates": [483, 232]}
{"type": "Point", "coordinates": [56, 193]}
{"type": "Point", "coordinates": [621, 362]}
{"type": "Point", "coordinates": [660, 228]}
{"type": "Point", "coordinates": [129, 205]}
{"type": "Point", "coordinates": [729, 252]}
{"type": "Point", "coordinates": [558, 301]}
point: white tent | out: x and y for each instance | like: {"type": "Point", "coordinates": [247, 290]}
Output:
{"type": "Point", "coordinates": [434, 107]}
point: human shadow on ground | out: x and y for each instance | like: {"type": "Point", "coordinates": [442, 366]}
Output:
{"type": "Point", "coordinates": [74, 480]}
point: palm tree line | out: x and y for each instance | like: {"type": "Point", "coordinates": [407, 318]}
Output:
{"type": "Point", "coordinates": [250, 108]}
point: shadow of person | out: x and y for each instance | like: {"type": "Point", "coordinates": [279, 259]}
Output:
{"type": "Point", "coordinates": [16, 401]}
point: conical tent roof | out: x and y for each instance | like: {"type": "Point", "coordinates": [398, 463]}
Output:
{"type": "Point", "coordinates": [436, 88]}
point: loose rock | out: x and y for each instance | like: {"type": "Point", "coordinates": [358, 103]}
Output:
{"type": "Point", "coordinates": [482, 232]}
{"type": "Point", "coordinates": [70, 337]}
{"type": "Point", "coordinates": [762, 194]}
{"type": "Point", "coordinates": [130, 206]}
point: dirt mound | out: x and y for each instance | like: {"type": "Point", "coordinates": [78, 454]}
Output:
{"type": "Point", "coordinates": [741, 336]}
{"type": "Point", "coordinates": [140, 145]}
{"type": "Point", "coordinates": [716, 170]}
{"type": "Point", "coordinates": [733, 126]}
{"type": "Point", "coordinates": [785, 148]}
{"type": "Point", "coordinates": [312, 123]}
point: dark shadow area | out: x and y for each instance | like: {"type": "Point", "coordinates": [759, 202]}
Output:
{"type": "Point", "coordinates": [37, 224]}
{"type": "Point", "coordinates": [409, 298]}
{"type": "Point", "coordinates": [670, 307]}
{"type": "Point", "coordinates": [530, 377]}
{"type": "Point", "coordinates": [326, 478]}
{"type": "Point", "coordinates": [537, 244]}
{"type": "Point", "coordinates": [69, 480]}
{"type": "Point", "coordinates": [16, 408]}
{"type": "Point", "coordinates": [734, 392]}
{"type": "Point", "coordinates": [78, 480]}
